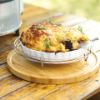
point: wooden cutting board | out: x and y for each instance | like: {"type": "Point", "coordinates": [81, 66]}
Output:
{"type": "Point", "coordinates": [52, 74]}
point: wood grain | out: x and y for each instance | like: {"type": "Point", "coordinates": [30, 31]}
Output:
{"type": "Point", "coordinates": [59, 92]}
{"type": "Point", "coordinates": [4, 72]}
{"type": "Point", "coordinates": [10, 84]}
{"type": "Point", "coordinates": [33, 91]}
{"type": "Point", "coordinates": [52, 74]}
{"type": "Point", "coordinates": [69, 92]}
{"type": "Point", "coordinates": [6, 44]}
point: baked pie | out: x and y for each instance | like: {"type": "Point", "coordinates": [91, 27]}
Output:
{"type": "Point", "coordinates": [50, 37]}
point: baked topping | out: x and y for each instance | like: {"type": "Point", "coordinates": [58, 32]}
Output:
{"type": "Point", "coordinates": [52, 38]}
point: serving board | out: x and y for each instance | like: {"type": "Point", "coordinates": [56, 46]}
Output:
{"type": "Point", "coordinates": [52, 73]}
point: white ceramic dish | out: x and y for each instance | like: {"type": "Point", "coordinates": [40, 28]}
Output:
{"type": "Point", "coordinates": [55, 58]}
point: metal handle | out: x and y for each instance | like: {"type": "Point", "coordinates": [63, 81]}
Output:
{"type": "Point", "coordinates": [17, 46]}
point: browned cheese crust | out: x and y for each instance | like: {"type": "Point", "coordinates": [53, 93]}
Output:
{"type": "Point", "coordinates": [52, 38]}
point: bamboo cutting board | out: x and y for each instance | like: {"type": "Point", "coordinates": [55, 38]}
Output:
{"type": "Point", "coordinates": [52, 74]}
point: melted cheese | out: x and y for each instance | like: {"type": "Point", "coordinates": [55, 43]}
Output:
{"type": "Point", "coordinates": [50, 38]}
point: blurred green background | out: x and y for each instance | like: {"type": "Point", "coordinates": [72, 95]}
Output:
{"type": "Point", "coordinates": [85, 8]}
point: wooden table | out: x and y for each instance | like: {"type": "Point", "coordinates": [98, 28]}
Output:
{"type": "Point", "coordinates": [13, 88]}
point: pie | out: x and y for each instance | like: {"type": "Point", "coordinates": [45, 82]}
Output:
{"type": "Point", "coordinates": [50, 37]}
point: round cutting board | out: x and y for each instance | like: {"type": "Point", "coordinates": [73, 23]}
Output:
{"type": "Point", "coordinates": [52, 73]}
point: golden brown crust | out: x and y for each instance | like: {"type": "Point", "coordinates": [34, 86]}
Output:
{"type": "Point", "coordinates": [52, 38]}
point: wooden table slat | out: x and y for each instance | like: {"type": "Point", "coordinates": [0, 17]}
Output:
{"type": "Point", "coordinates": [35, 91]}
{"type": "Point", "coordinates": [4, 72]}
{"type": "Point", "coordinates": [29, 8]}
{"type": "Point", "coordinates": [77, 91]}
{"type": "Point", "coordinates": [10, 84]}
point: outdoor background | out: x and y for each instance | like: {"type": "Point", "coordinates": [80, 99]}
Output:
{"type": "Point", "coordinates": [85, 8]}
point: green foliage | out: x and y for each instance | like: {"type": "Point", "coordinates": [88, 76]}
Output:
{"type": "Point", "coordinates": [87, 8]}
